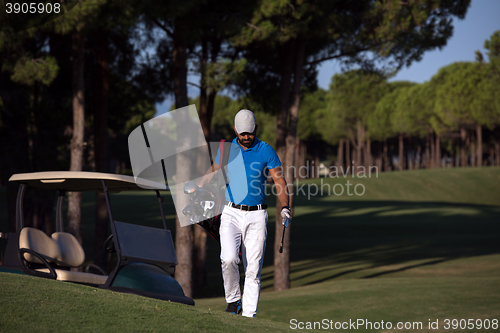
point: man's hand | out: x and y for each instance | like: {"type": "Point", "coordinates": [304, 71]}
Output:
{"type": "Point", "coordinates": [286, 216]}
{"type": "Point", "coordinates": [209, 174]}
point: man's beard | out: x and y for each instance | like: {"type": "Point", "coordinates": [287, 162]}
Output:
{"type": "Point", "coordinates": [248, 143]}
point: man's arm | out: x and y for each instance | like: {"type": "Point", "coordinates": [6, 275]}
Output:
{"type": "Point", "coordinates": [280, 183]}
{"type": "Point", "coordinates": [209, 174]}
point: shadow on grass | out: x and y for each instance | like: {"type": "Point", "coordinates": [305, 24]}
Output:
{"type": "Point", "coordinates": [432, 262]}
{"type": "Point", "coordinates": [368, 239]}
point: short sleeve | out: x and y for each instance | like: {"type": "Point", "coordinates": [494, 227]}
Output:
{"type": "Point", "coordinates": [273, 161]}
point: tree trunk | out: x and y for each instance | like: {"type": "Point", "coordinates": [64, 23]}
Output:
{"type": "Point", "coordinates": [212, 93]}
{"type": "Point", "coordinates": [386, 157]}
{"type": "Point", "coordinates": [348, 164]}
{"type": "Point", "coordinates": [409, 154]}
{"type": "Point", "coordinates": [354, 151]}
{"type": "Point", "coordinates": [100, 143]}
{"type": "Point", "coordinates": [317, 163]}
{"type": "Point", "coordinates": [200, 258]}
{"type": "Point", "coordinates": [496, 134]}
{"type": "Point", "coordinates": [282, 260]}
{"type": "Point", "coordinates": [427, 153]}
{"type": "Point", "coordinates": [284, 95]}
{"type": "Point", "coordinates": [297, 156]}
{"type": "Point", "coordinates": [416, 154]}
{"type": "Point", "coordinates": [183, 235]}
{"type": "Point", "coordinates": [463, 140]}
{"type": "Point", "coordinates": [479, 134]}
{"type": "Point", "coordinates": [419, 154]}
{"type": "Point", "coordinates": [438, 151]}
{"type": "Point", "coordinates": [472, 149]}
{"type": "Point", "coordinates": [205, 125]}
{"type": "Point", "coordinates": [210, 106]}
{"type": "Point", "coordinates": [300, 152]}
{"type": "Point", "coordinates": [15, 157]}
{"type": "Point", "coordinates": [77, 143]}
{"type": "Point", "coordinates": [497, 153]}
{"type": "Point", "coordinates": [340, 155]}
{"type": "Point", "coordinates": [42, 155]}
{"type": "Point", "coordinates": [368, 154]}
{"type": "Point", "coordinates": [377, 157]}
{"type": "Point", "coordinates": [453, 154]}
{"type": "Point", "coordinates": [303, 154]}
{"type": "Point", "coordinates": [281, 265]}
{"type": "Point", "coordinates": [207, 103]}
{"type": "Point", "coordinates": [433, 151]}
{"type": "Point", "coordinates": [401, 152]}
{"type": "Point", "coordinates": [199, 234]}
{"type": "Point", "coordinates": [360, 147]}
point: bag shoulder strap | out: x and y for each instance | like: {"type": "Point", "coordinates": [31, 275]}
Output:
{"type": "Point", "coordinates": [225, 149]}
{"type": "Point", "coordinates": [224, 158]}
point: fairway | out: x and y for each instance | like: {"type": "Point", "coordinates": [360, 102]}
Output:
{"type": "Point", "coordinates": [418, 246]}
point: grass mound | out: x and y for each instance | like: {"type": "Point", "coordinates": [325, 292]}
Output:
{"type": "Point", "coordinates": [30, 304]}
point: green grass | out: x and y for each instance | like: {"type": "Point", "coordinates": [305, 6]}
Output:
{"type": "Point", "coordinates": [30, 304]}
{"type": "Point", "coordinates": [457, 185]}
{"type": "Point", "coordinates": [38, 305]}
{"type": "Point", "coordinates": [418, 245]}
{"type": "Point", "coordinates": [396, 299]}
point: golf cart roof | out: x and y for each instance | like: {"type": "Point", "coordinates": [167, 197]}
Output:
{"type": "Point", "coordinates": [83, 181]}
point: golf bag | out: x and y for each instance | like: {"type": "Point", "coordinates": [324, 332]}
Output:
{"type": "Point", "coordinates": [217, 187]}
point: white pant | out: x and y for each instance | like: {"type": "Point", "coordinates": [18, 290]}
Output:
{"type": "Point", "coordinates": [249, 229]}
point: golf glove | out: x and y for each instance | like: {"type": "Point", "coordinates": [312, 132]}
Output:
{"type": "Point", "coordinates": [286, 216]}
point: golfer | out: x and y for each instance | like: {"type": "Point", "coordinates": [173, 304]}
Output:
{"type": "Point", "coordinates": [244, 218]}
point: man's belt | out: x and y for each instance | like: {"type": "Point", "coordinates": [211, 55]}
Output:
{"type": "Point", "coordinates": [247, 208]}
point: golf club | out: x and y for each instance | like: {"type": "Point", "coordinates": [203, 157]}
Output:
{"type": "Point", "coordinates": [283, 236]}
{"type": "Point", "coordinates": [187, 210]}
{"type": "Point", "coordinates": [190, 187]}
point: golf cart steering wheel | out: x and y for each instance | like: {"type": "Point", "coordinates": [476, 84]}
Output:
{"type": "Point", "coordinates": [109, 244]}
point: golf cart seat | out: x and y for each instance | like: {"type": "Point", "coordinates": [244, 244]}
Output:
{"type": "Point", "coordinates": [51, 257]}
{"type": "Point", "coordinates": [146, 244]}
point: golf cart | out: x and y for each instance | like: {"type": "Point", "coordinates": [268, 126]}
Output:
{"type": "Point", "coordinates": [145, 256]}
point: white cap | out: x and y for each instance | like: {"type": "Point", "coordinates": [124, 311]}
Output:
{"type": "Point", "coordinates": [244, 121]}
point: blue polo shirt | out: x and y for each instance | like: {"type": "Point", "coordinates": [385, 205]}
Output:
{"type": "Point", "coordinates": [247, 171]}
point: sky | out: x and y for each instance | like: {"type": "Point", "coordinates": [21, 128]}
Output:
{"type": "Point", "coordinates": [469, 34]}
